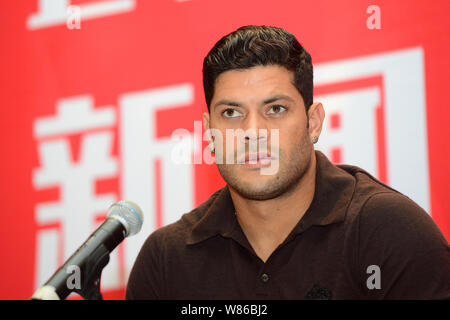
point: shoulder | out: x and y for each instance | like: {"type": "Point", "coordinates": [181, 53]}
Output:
{"type": "Point", "coordinates": [392, 206]}
{"type": "Point", "coordinates": [396, 217]}
{"type": "Point", "coordinates": [176, 233]}
{"type": "Point", "coordinates": [391, 232]}
{"type": "Point", "coordinates": [397, 234]}
{"type": "Point", "coordinates": [162, 248]}
{"type": "Point", "coordinates": [376, 206]}
{"type": "Point", "coordinates": [402, 240]}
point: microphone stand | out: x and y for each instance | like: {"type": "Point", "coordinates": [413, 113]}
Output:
{"type": "Point", "coordinates": [90, 285]}
{"type": "Point", "coordinates": [124, 219]}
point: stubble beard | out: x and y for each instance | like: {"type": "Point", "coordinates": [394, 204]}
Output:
{"type": "Point", "coordinates": [289, 175]}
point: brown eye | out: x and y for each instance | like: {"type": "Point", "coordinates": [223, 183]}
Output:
{"type": "Point", "coordinates": [231, 113]}
{"type": "Point", "coordinates": [276, 109]}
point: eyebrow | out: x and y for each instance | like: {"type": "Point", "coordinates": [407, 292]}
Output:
{"type": "Point", "coordinates": [278, 97]}
{"type": "Point", "coordinates": [225, 102]}
{"type": "Point", "coordinates": [274, 98]}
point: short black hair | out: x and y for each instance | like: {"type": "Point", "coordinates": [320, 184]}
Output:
{"type": "Point", "coordinates": [251, 46]}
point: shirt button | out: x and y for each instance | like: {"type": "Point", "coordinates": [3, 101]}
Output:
{"type": "Point", "coordinates": [265, 277]}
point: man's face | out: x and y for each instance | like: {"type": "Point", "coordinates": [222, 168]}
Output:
{"type": "Point", "coordinates": [262, 97]}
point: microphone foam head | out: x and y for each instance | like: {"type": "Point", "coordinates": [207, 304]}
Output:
{"type": "Point", "coordinates": [129, 214]}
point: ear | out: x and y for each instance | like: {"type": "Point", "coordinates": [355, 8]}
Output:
{"type": "Point", "coordinates": [316, 114]}
{"type": "Point", "coordinates": [207, 132]}
{"type": "Point", "coordinates": [206, 126]}
{"type": "Point", "coordinates": [205, 121]}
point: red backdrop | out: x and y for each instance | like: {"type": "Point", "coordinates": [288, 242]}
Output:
{"type": "Point", "coordinates": [86, 111]}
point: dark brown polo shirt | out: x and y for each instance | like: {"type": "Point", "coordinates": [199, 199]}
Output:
{"type": "Point", "coordinates": [359, 239]}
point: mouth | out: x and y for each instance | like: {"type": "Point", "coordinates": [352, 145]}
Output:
{"type": "Point", "coordinates": [256, 159]}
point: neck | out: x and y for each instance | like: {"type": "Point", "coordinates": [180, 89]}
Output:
{"type": "Point", "coordinates": [267, 223]}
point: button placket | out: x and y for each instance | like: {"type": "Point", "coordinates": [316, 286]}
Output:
{"type": "Point", "coordinates": [263, 282]}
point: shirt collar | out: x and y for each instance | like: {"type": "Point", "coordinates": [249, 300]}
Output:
{"type": "Point", "coordinates": [332, 196]}
{"type": "Point", "coordinates": [333, 193]}
{"type": "Point", "coordinates": [218, 219]}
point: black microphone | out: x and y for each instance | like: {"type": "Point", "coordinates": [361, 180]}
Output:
{"type": "Point", "coordinates": [124, 219]}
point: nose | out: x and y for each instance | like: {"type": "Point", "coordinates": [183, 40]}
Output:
{"type": "Point", "coordinates": [255, 127]}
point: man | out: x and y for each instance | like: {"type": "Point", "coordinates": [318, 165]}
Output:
{"type": "Point", "coordinates": [308, 230]}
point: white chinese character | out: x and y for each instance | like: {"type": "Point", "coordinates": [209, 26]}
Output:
{"type": "Point", "coordinates": [78, 205]}
{"type": "Point", "coordinates": [144, 155]}
{"type": "Point", "coordinates": [403, 86]}
{"type": "Point", "coordinates": [356, 134]}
